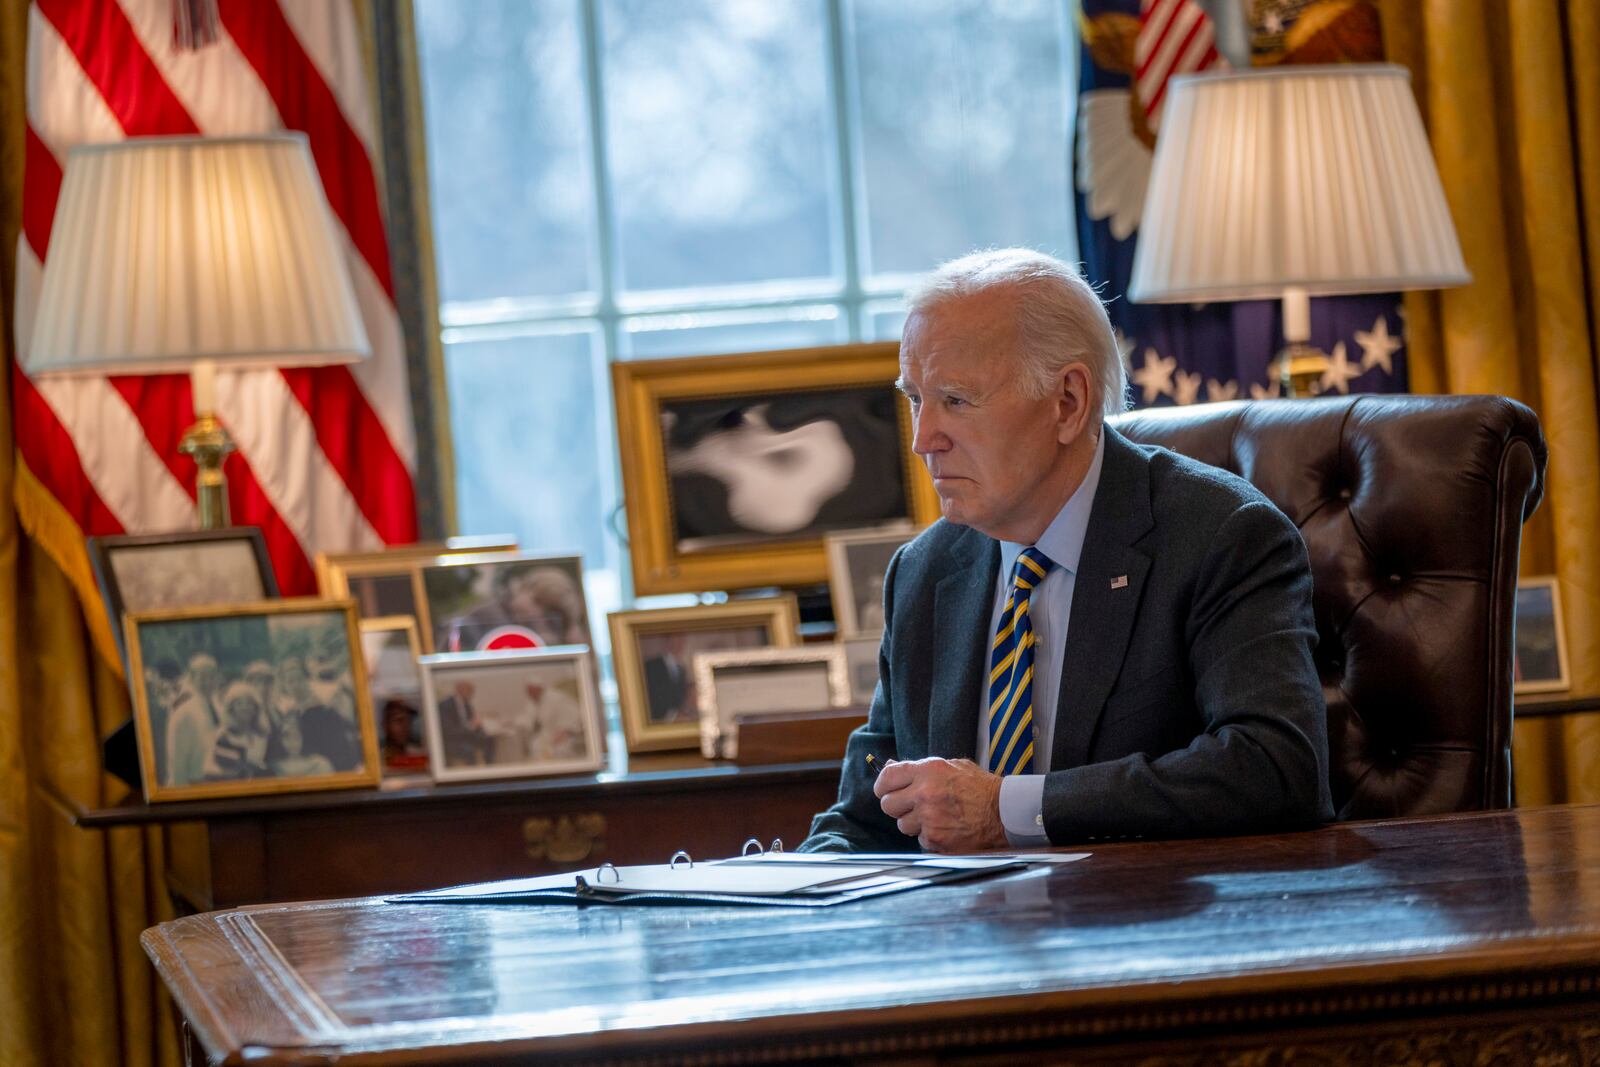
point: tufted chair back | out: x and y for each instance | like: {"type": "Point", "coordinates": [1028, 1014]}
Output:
{"type": "Point", "coordinates": [1412, 510]}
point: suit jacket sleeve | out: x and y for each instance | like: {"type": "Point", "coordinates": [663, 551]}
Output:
{"type": "Point", "coordinates": [1261, 760]}
{"type": "Point", "coordinates": [856, 823]}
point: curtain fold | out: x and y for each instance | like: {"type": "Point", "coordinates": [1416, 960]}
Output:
{"type": "Point", "coordinates": [75, 987]}
{"type": "Point", "coordinates": [1511, 97]}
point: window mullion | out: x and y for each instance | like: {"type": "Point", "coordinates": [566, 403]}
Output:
{"type": "Point", "coordinates": [852, 214]}
{"type": "Point", "coordinates": [600, 166]}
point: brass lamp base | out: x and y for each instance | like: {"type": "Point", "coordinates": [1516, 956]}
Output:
{"type": "Point", "coordinates": [1299, 369]}
{"type": "Point", "coordinates": [208, 442]}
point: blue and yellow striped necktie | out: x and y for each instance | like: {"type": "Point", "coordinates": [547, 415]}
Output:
{"type": "Point", "coordinates": [1011, 671]}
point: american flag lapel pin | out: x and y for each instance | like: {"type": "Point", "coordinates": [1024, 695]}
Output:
{"type": "Point", "coordinates": [1120, 582]}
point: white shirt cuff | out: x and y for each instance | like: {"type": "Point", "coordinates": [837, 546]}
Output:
{"type": "Point", "coordinates": [1022, 810]}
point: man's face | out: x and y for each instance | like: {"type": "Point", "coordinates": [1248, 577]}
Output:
{"type": "Point", "coordinates": [986, 444]}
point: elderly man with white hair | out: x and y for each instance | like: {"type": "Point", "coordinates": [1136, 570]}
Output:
{"type": "Point", "coordinates": [1099, 640]}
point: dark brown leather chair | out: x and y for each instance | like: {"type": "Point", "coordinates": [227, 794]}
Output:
{"type": "Point", "coordinates": [1412, 510]}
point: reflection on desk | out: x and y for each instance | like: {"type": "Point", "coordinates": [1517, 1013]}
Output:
{"type": "Point", "coordinates": [1429, 940]}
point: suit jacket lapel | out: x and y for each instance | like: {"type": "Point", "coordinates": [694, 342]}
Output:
{"type": "Point", "coordinates": [1103, 605]}
{"type": "Point", "coordinates": [962, 602]}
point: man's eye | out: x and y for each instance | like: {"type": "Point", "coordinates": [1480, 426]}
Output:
{"type": "Point", "coordinates": [955, 401]}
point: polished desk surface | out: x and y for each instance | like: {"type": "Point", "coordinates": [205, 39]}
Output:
{"type": "Point", "coordinates": [1491, 911]}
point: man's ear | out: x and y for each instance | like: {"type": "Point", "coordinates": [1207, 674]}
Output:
{"type": "Point", "coordinates": [1075, 402]}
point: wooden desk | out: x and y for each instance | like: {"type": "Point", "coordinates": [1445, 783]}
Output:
{"type": "Point", "coordinates": [254, 850]}
{"type": "Point", "coordinates": [1460, 940]}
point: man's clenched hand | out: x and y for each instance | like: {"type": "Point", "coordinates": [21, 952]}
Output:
{"type": "Point", "coordinates": [947, 805]}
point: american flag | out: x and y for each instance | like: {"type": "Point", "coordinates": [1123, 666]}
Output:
{"type": "Point", "coordinates": [326, 456]}
{"type": "Point", "coordinates": [1175, 37]}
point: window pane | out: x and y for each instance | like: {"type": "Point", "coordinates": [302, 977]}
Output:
{"type": "Point", "coordinates": [508, 147]}
{"type": "Point", "coordinates": [885, 321]}
{"type": "Point", "coordinates": [709, 333]}
{"type": "Point", "coordinates": [964, 119]}
{"type": "Point", "coordinates": [534, 449]}
{"type": "Point", "coordinates": [720, 140]}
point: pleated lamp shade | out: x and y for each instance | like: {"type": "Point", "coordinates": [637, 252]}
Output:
{"type": "Point", "coordinates": [166, 251]}
{"type": "Point", "coordinates": [1316, 178]}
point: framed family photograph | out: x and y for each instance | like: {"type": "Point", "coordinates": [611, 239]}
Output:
{"type": "Point", "coordinates": [653, 652]}
{"type": "Point", "coordinates": [1539, 664]}
{"type": "Point", "coordinates": [857, 562]}
{"type": "Point", "coordinates": [390, 649]}
{"type": "Point", "coordinates": [511, 714]}
{"type": "Point", "coordinates": [766, 681]}
{"type": "Point", "coordinates": [735, 467]}
{"type": "Point", "coordinates": [500, 601]}
{"type": "Point", "coordinates": [387, 582]}
{"type": "Point", "coordinates": [269, 697]}
{"type": "Point", "coordinates": [186, 568]}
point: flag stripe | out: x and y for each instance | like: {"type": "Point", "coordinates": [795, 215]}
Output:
{"type": "Point", "coordinates": [1195, 34]}
{"type": "Point", "coordinates": [48, 451]}
{"type": "Point", "coordinates": [306, 103]}
{"type": "Point", "coordinates": [357, 445]}
{"type": "Point", "coordinates": [250, 506]}
{"type": "Point", "coordinates": [41, 185]}
{"type": "Point", "coordinates": [103, 40]}
{"type": "Point", "coordinates": [332, 40]}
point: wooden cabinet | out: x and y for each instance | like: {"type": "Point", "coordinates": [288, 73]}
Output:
{"type": "Point", "coordinates": [312, 846]}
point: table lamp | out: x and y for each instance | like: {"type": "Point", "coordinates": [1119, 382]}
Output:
{"type": "Point", "coordinates": [1289, 183]}
{"type": "Point", "coordinates": [171, 254]}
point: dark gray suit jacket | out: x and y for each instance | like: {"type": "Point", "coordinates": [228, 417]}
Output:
{"type": "Point", "coordinates": [1189, 704]}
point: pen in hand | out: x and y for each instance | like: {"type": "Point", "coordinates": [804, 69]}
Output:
{"type": "Point", "coordinates": [874, 766]}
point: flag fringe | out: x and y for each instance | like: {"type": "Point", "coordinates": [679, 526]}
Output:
{"type": "Point", "coordinates": [52, 529]}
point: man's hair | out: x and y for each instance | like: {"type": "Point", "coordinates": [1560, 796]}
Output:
{"type": "Point", "coordinates": [1060, 319]}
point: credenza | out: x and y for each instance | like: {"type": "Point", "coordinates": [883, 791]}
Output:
{"type": "Point", "coordinates": [413, 834]}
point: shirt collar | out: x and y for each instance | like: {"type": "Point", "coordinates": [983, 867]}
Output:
{"type": "Point", "coordinates": [1062, 540]}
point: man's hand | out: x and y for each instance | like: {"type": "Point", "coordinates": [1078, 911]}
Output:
{"type": "Point", "coordinates": [947, 805]}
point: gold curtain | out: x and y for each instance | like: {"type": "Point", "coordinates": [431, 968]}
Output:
{"type": "Point", "coordinates": [74, 985]}
{"type": "Point", "coordinates": [1511, 95]}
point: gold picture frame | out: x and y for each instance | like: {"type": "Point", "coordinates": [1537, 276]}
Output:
{"type": "Point", "coordinates": [651, 687]}
{"type": "Point", "coordinates": [1539, 651]}
{"type": "Point", "coordinates": [408, 757]}
{"type": "Point", "coordinates": [853, 555]}
{"type": "Point", "coordinates": [776, 681]}
{"type": "Point", "coordinates": [667, 556]}
{"type": "Point", "coordinates": [335, 570]}
{"type": "Point", "coordinates": [188, 749]}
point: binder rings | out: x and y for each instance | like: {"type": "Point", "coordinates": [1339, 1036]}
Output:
{"type": "Point", "coordinates": [775, 878]}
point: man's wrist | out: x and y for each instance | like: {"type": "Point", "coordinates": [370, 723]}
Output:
{"type": "Point", "coordinates": [1021, 810]}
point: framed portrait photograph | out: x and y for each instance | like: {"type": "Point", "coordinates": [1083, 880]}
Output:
{"type": "Point", "coordinates": [511, 714]}
{"type": "Point", "coordinates": [857, 562]}
{"type": "Point", "coordinates": [765, 681]}
{"type": "Point", "coordinates": [269, 697]}
{"type": "Point", "coordinates": [500, 601]}
{"type": "Point", "coordinates": [861, 661]}
{"type": "Point", "coordinates": [186, 568]}
{"type": "Point", "coordinates": [1539, 663]}
{"type": "Point", "coordinates": [653, 653]}
{"type": "Point", "coordinates": [390, 649]}
{"type": "Point", "coordinates": [735, 467]}
{"type": "Point", "coordinates": [386, 583]}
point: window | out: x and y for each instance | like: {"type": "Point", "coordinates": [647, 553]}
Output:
{"type": "Point", "coordinates": [630, 179]}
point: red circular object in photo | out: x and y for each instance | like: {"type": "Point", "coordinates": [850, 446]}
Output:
{"type": "Point", "coordinates": [502, 638]}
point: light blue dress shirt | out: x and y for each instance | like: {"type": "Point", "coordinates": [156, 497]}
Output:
{"type": "Point", "coordinates": [1022, 795]}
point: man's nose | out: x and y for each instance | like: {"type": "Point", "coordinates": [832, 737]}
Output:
{"type": "Point", "coordinates": [926, 436]}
